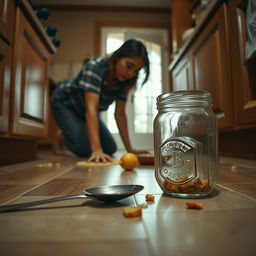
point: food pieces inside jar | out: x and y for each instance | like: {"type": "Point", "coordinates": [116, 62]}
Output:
{"type": "Point", "coordinates": [195, 186]}
{"type": "Point", "coordinates": [132, 211]}
{"type": "Point", "coordinates": [194, 205]}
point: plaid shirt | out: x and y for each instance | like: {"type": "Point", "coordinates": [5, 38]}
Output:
{"type": "Point", "coordinates": [92, 77]}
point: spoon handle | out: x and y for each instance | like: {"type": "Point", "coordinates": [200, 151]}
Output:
{"type": "Point", "coordinates": [13, 207]}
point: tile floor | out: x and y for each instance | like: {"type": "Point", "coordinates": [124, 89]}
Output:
{"type": "Point", "coordinates": [225, 226]}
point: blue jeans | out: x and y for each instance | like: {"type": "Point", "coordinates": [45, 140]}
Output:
{"type": "Point", "coordinates": [75, 133]}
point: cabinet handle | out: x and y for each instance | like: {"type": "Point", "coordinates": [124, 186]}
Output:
{"type": "Point", "coordinates": [218, 112]}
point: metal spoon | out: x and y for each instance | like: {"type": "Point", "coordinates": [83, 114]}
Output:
{"type": "Point", "coordinates": [102, 193]}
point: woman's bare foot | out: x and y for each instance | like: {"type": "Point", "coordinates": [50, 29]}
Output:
{"type": "Point", "coordinates": [59, 147]}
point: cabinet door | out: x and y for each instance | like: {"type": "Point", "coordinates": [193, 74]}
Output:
{"type": "Point", "coordinates": [182, 75]}
{"type": "Point", "coordinates": [5, 84]}
{"type": "Point", "coordinates": [30, 104]}
{"type": "Point", "coordinates": [6, 35]}
{"type": "Point", "coordinates": [211, 67]}
{"type": "Point", "coordinates": [243, 71]}
{"type": "Point", "coordinates": [181, 20]}
{"type": "Point", "coordinates": [7, 10]}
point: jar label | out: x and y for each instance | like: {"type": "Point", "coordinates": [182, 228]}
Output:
{"type": "Point", "coordinates": [179, 158]}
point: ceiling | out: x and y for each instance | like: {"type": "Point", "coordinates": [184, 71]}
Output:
{"type": "Point", "coordinates": [139, 3]}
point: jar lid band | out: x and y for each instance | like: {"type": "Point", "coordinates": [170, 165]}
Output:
{"type": "Point", "coordinates": [184, 99]}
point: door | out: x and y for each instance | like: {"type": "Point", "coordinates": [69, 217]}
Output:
{"type": "Point", "coordinates": [141, 104]}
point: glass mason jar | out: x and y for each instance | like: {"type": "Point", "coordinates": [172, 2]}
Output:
{"type": "Point", "coordinates": [185, 144]}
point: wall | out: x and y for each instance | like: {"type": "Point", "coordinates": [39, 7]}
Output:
{"type": "Point", "coordinates": [77, 32]}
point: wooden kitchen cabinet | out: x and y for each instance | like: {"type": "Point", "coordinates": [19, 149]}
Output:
{"type": "Point", "coordinates": [244, 71]}
{"type": "Point", "coordinates": [30, 81]}
{"type": "Point", "coordinates": [6, 42]}
{"type": "Point", "coordinates": [25, 51]}
{"type": "Point", "coordinates": [211, 70]}
{"type": "Point", "coordinates": [205, 66]}
{"type": "Point", "coordinates": [214, 54]}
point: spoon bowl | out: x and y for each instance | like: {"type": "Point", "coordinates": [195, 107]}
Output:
{"type": "Point", "coordinates": [113, 193]}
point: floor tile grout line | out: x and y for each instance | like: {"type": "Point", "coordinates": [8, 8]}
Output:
{"type": "Point", "coordinates": [38, 185]}
{"type": "Point", "coordinates": [235, 183]}
{"type": "Point", "coordinates": [250, 167]}
{"type": "Point", "coordinates": [147, 233]}
{"type": "Point", "coordinates": [239, 193]}
{"type": "Point", "coordinates": [94, 241]}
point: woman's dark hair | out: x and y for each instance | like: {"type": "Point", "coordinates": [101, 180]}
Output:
{"type": "Point", "coordinates": [131, 48]}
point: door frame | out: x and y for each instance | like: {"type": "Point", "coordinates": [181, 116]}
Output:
{"type": "Point", "coordinates": [130, 25]}
{"type": "Point", "coordinates": [150, 25]}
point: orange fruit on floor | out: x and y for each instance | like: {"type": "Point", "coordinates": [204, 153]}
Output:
{"type": "Point", "coordinates": [128, 161]}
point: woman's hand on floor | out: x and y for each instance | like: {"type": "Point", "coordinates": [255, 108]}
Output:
{"type": "Point", "coordinates": [99, 156]}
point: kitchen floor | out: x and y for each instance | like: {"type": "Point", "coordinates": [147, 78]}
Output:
{"type": "Point", "coordinates": [225, 226]}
